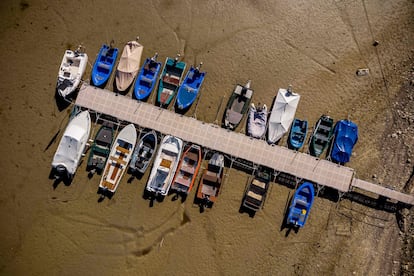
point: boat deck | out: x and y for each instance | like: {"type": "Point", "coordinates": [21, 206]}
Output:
{"type": "Point", "coordinates": [235, 144]}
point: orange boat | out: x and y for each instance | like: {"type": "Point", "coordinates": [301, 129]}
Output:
{"type": "Point", "coordinates": [187, 170]}
{"type": "Point", "coordinates": [210, 183]}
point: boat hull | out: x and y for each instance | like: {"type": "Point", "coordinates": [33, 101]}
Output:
{"type": "Point", "coordinates": [144, 152]}
{"type": "Point", "coordinates": [237, 106]}
{"type": "Point", "coordinates": [188, 91]}
{"type": "Point", "coordinates": [72, 145]}
{"type": "Point", "coordinates": [346, 136]}
{"type": "Point", "coordinates": [283, 112]}
{"type": "Point", "coordinates": [187, 170]}
{"type": "Point", "coordinates": [256, 124]}
{"type": "Point", "coordinates": [146, 79]}
{"type": "Point", "coordinates": [301, 205]}
{"type": "Point", "coordinates": [71, 70]}
{"type": "Point", "coordinates": [104, 65]}
{"type": "Point", "coordinates": [210, 183]}
{"type": "Point", "coordinates": [297, 134]}
{"type": "Point", "coordinates": [165, 165]}
{"type": "Point", "coordinates": [128, 65]}
{"type": "Point", "coordinates": [170, 80]}
{"type": "Point", "coordinates": [100, 149]}
{"type": "Point", "coordinates": [117, 163]}
{"type": "Point", "coordinates": [321, 135]}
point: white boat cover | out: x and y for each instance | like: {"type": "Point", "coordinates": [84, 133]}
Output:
{"type": "Point", "coordinates": [73, 142]}
{"type": "Point", "coordinates": [256, 125]}
{"type": "Point", "coordinates": [283, 113]}
{"type": "Point", "coordinates": [128, 65]}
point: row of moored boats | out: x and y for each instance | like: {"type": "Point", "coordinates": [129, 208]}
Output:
{"type": "Point", "coordinates": [174, 166]}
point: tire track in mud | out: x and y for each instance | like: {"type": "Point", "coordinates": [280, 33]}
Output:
{"type": "Point", "coordinates": [135, 241]}
{"type": "Point", "coordinates": [296, 48]}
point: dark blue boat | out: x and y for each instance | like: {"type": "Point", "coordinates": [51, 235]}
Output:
{"type": "Point", "coordinates": [103, 65]}
{"type": "Point", "coordinates": [346, 136]}
{"type": "Point", "coordinates": [301, 204]}
{"type": "Point", "coordinates": [297, 134]}
{"type": "Point", "coordinates": [188, 91]}
{"type": "Point", "coordinates": [147, 78]}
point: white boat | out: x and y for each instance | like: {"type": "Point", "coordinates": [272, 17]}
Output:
{"type": "Point", "coordinates": [256, 124]}
{"type": "Point", "coordinates": [71, 146]}
{"type": "Point", "coordinates": [120, 155]}
{"type": "Point", "coordinates": [165, 165]}
{"type": "Point", "coordinates": [282, 115]}
{"type": "Point", "coordinates": [71, 71]}
{"type": "Point", "coordinates": [128, 65]}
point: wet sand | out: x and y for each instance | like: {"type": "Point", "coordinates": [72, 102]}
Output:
{"type": "Point", "coordinates": [316, 47]}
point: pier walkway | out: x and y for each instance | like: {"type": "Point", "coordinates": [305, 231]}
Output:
{"type": "Point", "coordinates": [238, 145]}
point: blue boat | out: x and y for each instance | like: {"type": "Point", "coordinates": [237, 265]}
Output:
{"type": "Point", "coordinates": [297, 134]}
{"type": "Point", "coordinates": [147, 78]}
{"type": "Point", "coordinates": [103, 65]}
{"type": "Point", "coordinates": [346, 136]}
{"type": "Point", "coordinates": [189, 89]}
{"type": "Point", "coordinates": [301, 204]}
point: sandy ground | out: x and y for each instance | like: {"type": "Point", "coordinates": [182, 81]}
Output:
{"type": "Point", "coordinates": [316, 47]}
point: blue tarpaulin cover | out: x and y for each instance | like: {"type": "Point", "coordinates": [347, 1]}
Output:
{"type": "Point", "coordinates": [346, 136]}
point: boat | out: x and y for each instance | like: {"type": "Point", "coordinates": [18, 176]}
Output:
{"type": "Point", "coordinates": [297, 134]}
{"type": "Point", "coordinates": [321, 135]}
{"type": "Point", "coordinates": [170, 80]}
{"type": "Point", "coordinates": [256, 191]}
{"type": "Point", "coordinates": [100, 149]}
{"type": "Point", "coordinates": [283, 112]}
{"type": "Point", "coordinates": [165, 165]}
{"type": "Point", "coordinates": [71, 70]}
{"type": "Point", "coordinates": [187, 170]}
{"type": "Point", "coordinates": [256, 123]}
{"type": "Point", "coordinates": [301, 204]}
{"type": "Point", "coordinates": [104, 64]}
{"type": "Point", "coordinates": [116, 164]}
{"type": "Point", "coordinates": [345, 137]}
{"type": "Point", "coordinates": [71, 146]}
{"type": "Point", "coordinates": [147, 78]}
{"type": "Point", "coordinates": [189, 89]}
{"type": "Point", "coordinates": [209, 187]}
{"type": "Point", "coordinates": [128, 65]}
{"type": "Point", "coordinates": [144, 152]}
{"type": "Point", "coordinates": [237, 105]}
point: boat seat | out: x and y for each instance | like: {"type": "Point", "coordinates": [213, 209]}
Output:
{"type": "Point", "coordinates": [301, 202]}
{"type": "Point", "coordinates": [326, 128]}
{"type": "Point", "coordinates": [189, 88]}
{"type": "Point", "coordinates": [255, 196]}
{"type": "Point", "coordinates": [165, 163]}
{"type": "Point", "coordinates": [118, 160]}
{"type": "Point", "coordinates": [123, 150]}
{"type": "Point", "coordinates": [259, 183]}
{"type": "Point", "coordinates": [104, 65]}
{"type": "Point", "coordinates": [146, 79]}
{"type": "Point", "coordinates": [183, 181]}
{"type": "Point", "coordinates": [187, 169]}
{"type": "Point", "coordinates": [174, 80]}
{"type": "Point", "coordinates": [211, 177]}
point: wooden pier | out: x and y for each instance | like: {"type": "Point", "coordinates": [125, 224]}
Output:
{"type": "Point", "coordinates": [238, 145]}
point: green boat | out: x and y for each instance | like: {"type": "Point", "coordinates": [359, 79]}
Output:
{"type": "Point", "coordinates": [237, 105]}
{"type": "Point", "coordinates": [170, 80]}
{"type": "Point", "coordinates": [321, 135]}
{"type": "Point", "coordinates": [100, 149]}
